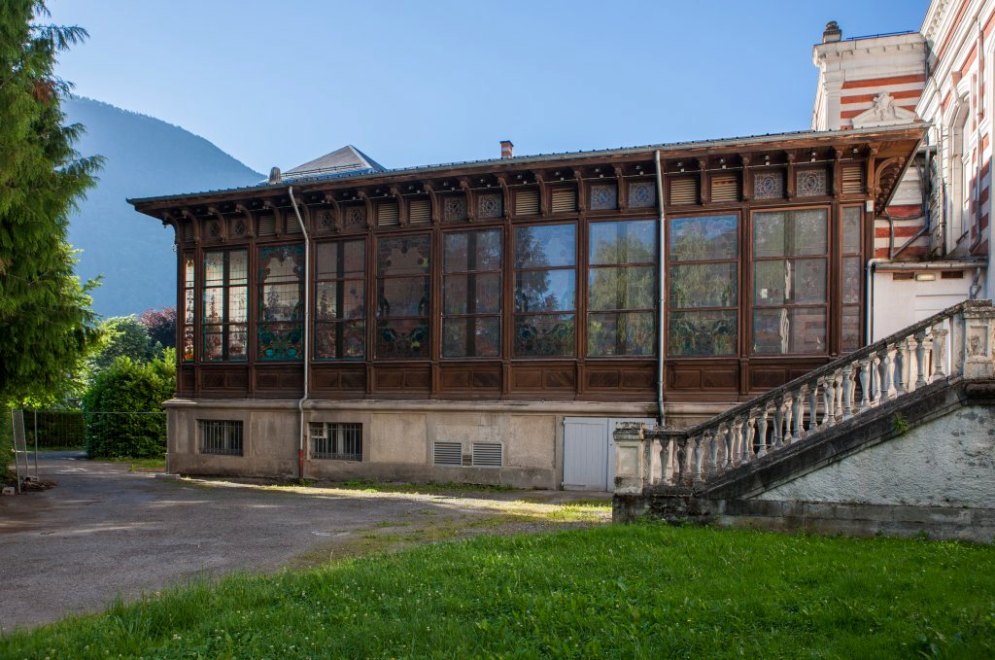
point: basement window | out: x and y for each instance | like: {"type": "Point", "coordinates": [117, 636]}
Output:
{"type": "Point", "coordinates": [337, 441]}
{"type": "Point", "coordinates": [220, 436]}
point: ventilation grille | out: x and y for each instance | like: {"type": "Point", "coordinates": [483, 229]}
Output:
{"type": "Point", "coordinates": [853, 180]}
{"type": "Point", "coordinates": [293, 226]}
{"type": "Point", "coordinates": [420, 211]}
{"type": "Point", "coordinates": [487, 454]}
{"type": "Point", "coordinates": [448, 453]}
{"type": "Point", "coordinates": [527, 202]}
{"type": "Point", "coordinates": [725, 188]}
{"type": "Point", "coordinates": [564, 200]}
{"type": "Point", "coordinates": [387, 214]}
{"type": "Point", "coordinates": [267, 225]}
{"type": "Point", "coordinates": [684, 190]}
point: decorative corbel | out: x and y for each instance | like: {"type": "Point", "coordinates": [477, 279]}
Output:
{"type": "Point", "coordinates": [543, 205]}
{"type": "Point", "coordinates": [836, 180]}
{"type": "Point", "coordinates": [169, 221]}
{"type": "Point", "coordinates": [581, 197]}
{"type": "Point", "coordinates": [370, 218]}
{"type": "Point", "coordinates": [277, 217]}
{"type": "Point", "coordinates": [502, 181]}
{"type": "Point", "coordinates": [402, 206]}
{"type": "Point", "coordinates": [471, 207]}
{"type": "Point", "coordinates": [335, 220]}
{"type": "Point", "coordinates": [222, 223]}
{"type": "Point", "coordinates": [192, 219]}
{"type": "Point", "coordinates": [870, 177]}
{"type": "Point", "coordinates": [250, 224]}
{"type": "Point", "coordinates": [789, 184]}
{"type": "Point", "coordinates": [434, 200]}
{"type": "Point", "coordinates": [747, 177]}
{"type": "Point", "coordinates": [621, 191]}
{"type": "Point", "coordinates": [704, 190]}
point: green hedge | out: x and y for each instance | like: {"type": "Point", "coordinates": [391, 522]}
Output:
{"type": "Point", "coordinates": [117, 407]}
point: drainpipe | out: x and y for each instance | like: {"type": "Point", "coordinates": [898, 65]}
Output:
{"type": "Point", "coordinates": [307, 334]}
{"type": "Point", "coordinates": [872, 264]}
{"type": "Point", "coordinates": [661, 278]}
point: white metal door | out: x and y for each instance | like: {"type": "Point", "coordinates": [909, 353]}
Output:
{"type": "Point", "coordinates": [585, 453]}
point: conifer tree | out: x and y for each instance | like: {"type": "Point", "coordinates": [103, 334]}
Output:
{"type": "Point", "coordinates": [46, 324]}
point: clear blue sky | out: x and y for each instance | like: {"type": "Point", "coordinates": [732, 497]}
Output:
{"type": "Point", "coordinates": [283, 81]}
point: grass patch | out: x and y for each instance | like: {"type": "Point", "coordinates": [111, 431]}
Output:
{"type": "Point", "coordinates": [618, 591]}
{"type": "Point", "coordinates": [420, 489]}
{"type": "Point", "coordinates": [139, 464]}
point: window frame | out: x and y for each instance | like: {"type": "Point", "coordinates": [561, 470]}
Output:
{"type": "Point", "coordinates": [471, 316]}
{"type": "Point", "coordinates": [297, 316]}
{"type": "Point", "coordinates": [341, 279]}
{"type": "Point", "coordinates": [226, 324]}
{"type": "Point", "coordinates": [334, 434]}
{"type": "Point", "coordinates": [229, 433]}
{"type": "Point", "coordinates": [515, 314]}
{"type": "Point", "coordinates": [380, 278]}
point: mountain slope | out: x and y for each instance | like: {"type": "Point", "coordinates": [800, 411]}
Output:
{"type": "Point", "coordinates": [143, 157]}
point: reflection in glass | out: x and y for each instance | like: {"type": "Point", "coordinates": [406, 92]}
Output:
{"type": "Point", "coordinates": [702, 333]}
{"type": "Point", "coordinates": [616, 243]}
{"type": "Point", "coordinates": [789, 330]}
{"type": "Point", "coordinates": [471, 337]}
{"type": "Point", "coordinates": [620, 334]}
{"type": "Point", "coordinates": [545, 291]}
{"type": "Point", "coordinates": [545, 246]}
{"type": "Point", "coordinates": [704, 238]}
{"type": "Point", "coordinates": [545, 335]}
{"type": "Point", "coordinates": [703, 285]}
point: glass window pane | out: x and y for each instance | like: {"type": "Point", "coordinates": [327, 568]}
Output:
{"type": "Point", "coordinates": [703, 285]}
{"type": "Point", "coordinates": [238, 304]}
{"type": "Point", "coordinates": [409, 255]}
{"type": "Point", "coordinates": [780, 331]}
{"type": "Point", "coordinates": [406, 338]}
{"type": "Point", "coordinates": [213, 342]}
{"type": "Point", "coordinates": [704, 238]}
{"type": "Point", "coordinates": [545, 291]}
{"type": "Point", "coordinates": [281, 264]}
{"type": "Point", "coordinates": [632, 333]}
{"type": "Point", "coordinates": [622, 288]}
{"type": "Point", "coordinates": [471, 337]}
{"type": "Point", "coordinates": [549, 245]}
{"type": "Point", "coordinates": [808, 280]}
{"type": "Point", "coordinates": [456, 256]}
{"type": "Point", "coordinates": [851, 280]}
{"type": "Point", "coordinates": [188, 307]}
{"type": "Point", "coordinates": [790, 233]}
{"type": "Point", "coordinates": [238, 342]}
{"type": "Point", "coordinates": [486, 297]}
{"type": "Point", "coordinates": [809, 235]}
{"type": "Point", "coordinates": [403, 296]}
{"type": "Point", "coordinates": [214, 305]}
{"type": "Point", "coordinates": [335, 300]}
{"type": "Point", "coordinates": [280, 302]}
{"type": "Point", "coordinates": [768, 235]}
{"type": "Point", "coordinates": [339, 340]}
{"type": "Point", "coordinates": [614, 243]}
{"type": "Point", "coordinates": [214, 268]}
{"type": "Point", "coordinates": [544, 336]}
{"type": "Point", "coordinates": [473, 251]}
{"type": "Point", "coordinates": [850, 340]}
{"type": "Point", "coordinates": [352, 262]}
{"type": "Point", "coordinates": [702, 333]}
{"type": "Point", "coordinates": [188, 272]}
{"type": "Point", "coordinates": [238, 267]}
{"type": "Point", "coordinates": [851, 230]}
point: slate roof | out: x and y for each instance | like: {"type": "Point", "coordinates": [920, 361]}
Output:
{"type": "Point", "coordinates": [347, 160]}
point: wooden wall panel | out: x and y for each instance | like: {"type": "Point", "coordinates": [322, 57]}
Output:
{"type": "Point", "coordinates": [409, 379]}
{"type": "Point", "coordinates": [223, 381]}
{"type": "Point", "coordinates": [540, 377]}
{"type": "Point", "coordinates": [339, 380]}
{"type": "Point", "coordinates": [279, 381]}
{"type": "Point", "coordinates": [472, 380]}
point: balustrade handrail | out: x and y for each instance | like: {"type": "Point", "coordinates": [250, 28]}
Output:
{"type": "Point", "coordinates": [824, 370]}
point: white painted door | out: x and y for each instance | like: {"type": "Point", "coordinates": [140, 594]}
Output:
{"type": "Point", "coordinates": [585, 453]}
{"type": "Point", "coordinates": [589, 452]}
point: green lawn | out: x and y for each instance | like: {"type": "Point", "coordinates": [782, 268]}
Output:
{"type": "Point", "coordinates": [642, 590]}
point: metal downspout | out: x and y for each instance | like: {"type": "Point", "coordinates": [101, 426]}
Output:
{"type": "Point", "coordinates": [307, 334]}
{"type": "Point", "coordinates": [661, 278]}
{"type": "Point", "coordinates": [869, 298]}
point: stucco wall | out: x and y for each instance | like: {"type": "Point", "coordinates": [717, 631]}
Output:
{"type": "Point", "coordinates": [948, 462]}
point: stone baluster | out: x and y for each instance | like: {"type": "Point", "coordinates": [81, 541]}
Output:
{"type": "Point", "coordinates": [747, 434]}
{"type": "Point", "coordinates": [762, 431]}
{"type": "Point", "coordinates": [798, 412]}
{"type": "Point", "coordinates": [939, 350]}
{"type": "Point", "coordinates": [887, 371]}
{"type": "Point", "coordinates": [713, 450]}
{"type": "Point", "coordinates": [902, 367]}
{"type": "Point", "coordinates": [789, 415]}
{"type": "Point", "coordinates": [775, 436]}
{"type": "Point", "coordinates": [848, 386]}
{"type": "Point", "coordinates": [732, 431]}
{"type": "Point", "coordinates": [681, 460]}
{"type": "Point", "coordinates": [865, 383]}
{"type": "Point", "coordinates": [696, 476]}
{"type": "Point", "coordinates": [837, 396]}
{"type": "Point", "coordinates": [813, 406]}
{"type": "Point", "coordinates": [828, 397]}
{"type": "Point", "coordinates": [723, 440]}
{"type": "Point", "coordinates": [920, 339]}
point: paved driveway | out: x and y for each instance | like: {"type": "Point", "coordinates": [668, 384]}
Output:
{"type": "Point", "coordinates": [105, 532]}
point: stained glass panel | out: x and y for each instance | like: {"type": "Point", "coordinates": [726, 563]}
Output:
{"type": "Point", "coordinates": [702, 333]}
{"type": "Point", "coordinates": [214, 342]}
{"type": "Point", "coordinates": [279, 341]}
{"type": "Point", "coordinates": [214, 268]}
{"type": "Point", "coordinates": [547, 335]}
{"type": "Point", "coordinates": [851, 229]}
{"type": "Point", "coordinates": [604, 196]}
{"type": "Point", "coordinates": [642, 194]}
{"type": "Point", "coordinates": [613, 243]}
{"type": "Point", "coordinates": [342, 340]}
{"type": "Point", "coordinates": [402, 338]}
{"type": "Point", "coordinates": [851, 280]}
{"type": "Point", "coordinates": [340, 300]}
{"type": "Point", "coordinates": [403, 296]}
{"type": "Point", "coordinates": [621, 334]}
{"type": "Point", "coordinates": [404, 256]}
{"type": "Point", "coordinates": [238, 342]}
{"type": "Point", "coordinates": [850, 339]}
{"type": "Point", "coordinates": [238, 304]}
{"type": "Point", "coordinates": [703, 238]}
{"type": "Point", "coordinates": [188, 306]}
{"type": "Point", "coordinates": [280, 332]}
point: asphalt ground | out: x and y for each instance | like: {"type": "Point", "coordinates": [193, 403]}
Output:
{"type": "Point", "coordinates": [105, 532]}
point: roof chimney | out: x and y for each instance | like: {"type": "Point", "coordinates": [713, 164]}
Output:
{"type": "Point", "coordinates": [506, 148]}
{"type": "Point", "coordinates": [275, 176]}
{"type": "Point", "coordinates": [832, 32]}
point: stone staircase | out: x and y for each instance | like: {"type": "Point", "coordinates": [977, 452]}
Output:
{"type": "Point", "coordinates": [730, 464]}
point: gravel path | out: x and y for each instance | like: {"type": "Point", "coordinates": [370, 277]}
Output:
{"type": "Point", "coordinates": [105, 532]}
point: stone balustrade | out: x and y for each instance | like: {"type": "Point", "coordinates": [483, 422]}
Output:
{"type": "Point", "coordinates": [956, 343]}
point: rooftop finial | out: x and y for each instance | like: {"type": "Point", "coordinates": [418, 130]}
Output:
{"type": "Point", "coordinates": [275, 176]}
